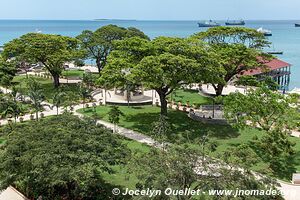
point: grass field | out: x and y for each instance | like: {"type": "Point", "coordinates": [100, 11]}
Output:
{"type": "Point", "coordinates": [73, 73]}
{"type": "Point", "coordinates": [186, 130]}
{"type": "Point", "coordinates": [190, 95]}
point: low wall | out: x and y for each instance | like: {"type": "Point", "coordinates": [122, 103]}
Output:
{"type": "Point", "coordinates": [195, 117]}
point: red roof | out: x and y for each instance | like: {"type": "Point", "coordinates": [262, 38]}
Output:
{"type": "Point", "coordinates": [269, 65]}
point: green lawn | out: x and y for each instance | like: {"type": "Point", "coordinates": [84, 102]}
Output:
{"type": "Point", "coordinates": [47, 85]}
{"type": "Point", "coordinates": [190, 95]}
{"type": "Point", "coordinates": [187, 130]}
{"type": "Point", "coordinates": [73, 73]}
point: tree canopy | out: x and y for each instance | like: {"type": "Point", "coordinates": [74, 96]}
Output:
{"type": "Point", "coordinates": [162, 64]}
{"type": "Point", "coordinates": [53, 51]}
{"type": "Point", "coordinates": [237, 49]}
{"type": "Point", "coordinates": [181, 167]}
{"type": "Point", "coordinates": [61, 157]}
{"type": "Point", "coordinates": [99, 44]}
{"type": "Point", "coordinates": [7, 71]}
{"type": "Point", "coordinates": [262, 108]}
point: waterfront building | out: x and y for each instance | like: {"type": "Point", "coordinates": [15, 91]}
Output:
{"type": "Point", "coordinates": [279, 70]}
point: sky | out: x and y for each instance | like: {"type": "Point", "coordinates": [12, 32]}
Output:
{"type": "Point", "coordinates": [150, 9]}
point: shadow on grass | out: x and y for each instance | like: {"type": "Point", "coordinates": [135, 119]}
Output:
{"type": "Point", "coordinates": [182, 126]}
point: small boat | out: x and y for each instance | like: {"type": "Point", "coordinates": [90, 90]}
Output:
{"type": "Point", "coordinates": [235, 23]}
{"type": "Point", "coordinates": [274, 51]}
{"type": "Point", "coordinates": [264, 31]}
{"type": "Point", "coordinates": [38, 31]}
{"type": "Point", "coordinates": [209, 23]}
{"type": "Point", "coordinates": [297, 25]}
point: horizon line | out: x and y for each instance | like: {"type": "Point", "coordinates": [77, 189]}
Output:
{"type": "Point", "coordinates": [112, 19]}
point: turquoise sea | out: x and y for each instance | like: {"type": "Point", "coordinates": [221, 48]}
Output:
{"type": "Point", "coordinates": [286, 37]}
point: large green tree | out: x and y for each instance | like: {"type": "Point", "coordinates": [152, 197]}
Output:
{"type": "Point", "coordinates": [163, 64]}
{"type": "Point", "coordinates": [261, 108]}
{"type": "Point", "coordinates": [63, 157]}
{"type": "Point", "coordinates": [276, 115]}
{"type": "Point", "coordinates": [181, 167]}
{"type": "Point", "coordinates": [53, 51]}
{"type": "Point", "coordinates": [99, 44]}
{"type": "Point", "coordinates": [7, 71]}
{"type": "Point", "coordinates": [237, 49]}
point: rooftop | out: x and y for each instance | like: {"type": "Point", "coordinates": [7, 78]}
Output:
{"type": "Point", "coordinates": [269, 66]}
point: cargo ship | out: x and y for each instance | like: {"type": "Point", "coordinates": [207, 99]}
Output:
{"type": "Point", "coordinates": [235, 23]}
{"type": "Point", "coordinates": [209, 23]}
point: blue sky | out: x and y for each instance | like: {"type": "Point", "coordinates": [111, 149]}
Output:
{"type": "Point", "coordinates": [150, 9]}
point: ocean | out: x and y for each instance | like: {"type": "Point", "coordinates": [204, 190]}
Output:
{"type": "Point", "coordinates": [286, 37]}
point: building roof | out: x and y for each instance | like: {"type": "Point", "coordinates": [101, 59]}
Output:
{"type": "Point", "coordinates": [269, 66]}
{"type": "Point", "coordinates": [11, 194]}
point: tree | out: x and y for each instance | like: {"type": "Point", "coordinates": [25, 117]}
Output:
{"type": "Point", "coordinates": [275, 114]}
{"type": "Point", "coordinates": [88, 79]}
{"type": "Point", "coordinates": [35, 93]}
{"type": "Point", "coordinates": [99, 44]}
{"type": "Point", "coordinates": [161, 129]}
{"type": "Point", "coordinates": [85, 93]}
{"type": "Point", "coordinates": [180, 168]}
{"type": "Point", "coordinates": [278, 151]}
{"type": "Point", "coordinates": [63, 157]}
{"type": "Point", "coordinates": [7, 72]}
{"type": "Point", "coordinates": [9, 107]}
{"type": "Point", "coordinates": [253, 81]}
{"type": "Point", "coordinates": [114, 116]}
{"type": "Point", "coordinates": [238, 49]}
{"type": "Point", "coordinates": [58, 99]}
{"type": "Point", "coordinates": [163, 64]}
{"type": "Point", "coordinates": [261, 108]}
{"type": "Point", "coordinates": [53, 51]}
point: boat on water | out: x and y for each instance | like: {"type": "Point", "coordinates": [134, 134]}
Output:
{"type": "Point", "coordinates": [275, 52]}
{"type": "Point", "coordinates": [209, 23]}
{"type": "Point", "coordinates": [264, 31]}
{"type": "Point", "coordinates": [297, 25]}
{"type": "Point", "coordinates": [235, 23]}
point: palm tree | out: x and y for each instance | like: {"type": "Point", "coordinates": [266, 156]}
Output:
{"type": "Point", "coordinates": [9, 107]}
{"type": "Point", "coordinates": [58, 100]}
{"type": "Point", "coordinates": [85, 93]}
{"type": "Point", "coordinates": [35, 93]}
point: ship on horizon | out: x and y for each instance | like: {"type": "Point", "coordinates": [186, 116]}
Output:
{"type": "Point", "coordinates": [235, 23]}
{"type": "Point", "coordinates": [209, 23]}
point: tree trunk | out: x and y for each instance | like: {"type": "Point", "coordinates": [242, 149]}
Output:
{"type": "Point", "coordinates": [57, 110]}
{"type": "Point", "coordinates": [37, 116]}
{"type": "Point", "coordinates": [219, 89]}
{"type": "Point", "coordinates": [163, 102]}
{"type": "Point", "coordinates": [56, 80]}
{"type": "Point", "coordinates": [98, 63]}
